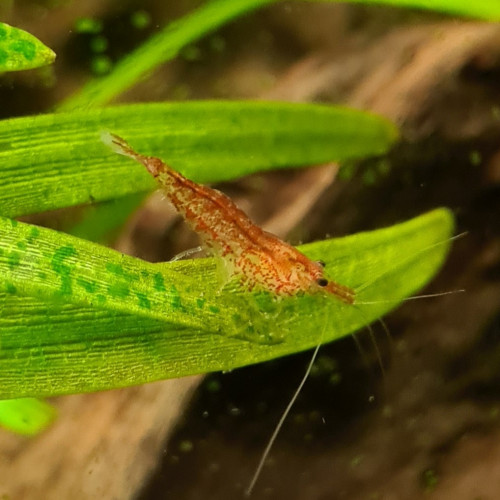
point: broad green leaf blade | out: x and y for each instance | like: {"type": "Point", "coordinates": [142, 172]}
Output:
{"type": "Point", "coordinates": [19, 50]}
{"type": "Point", "coordinates": [26, 416]}
{"type": "Point", "coordinates": [165, 45]}
{"type": "Point", "coordinates": [89, 318]}
{"type": "Point", "coordinates": [58, 160]}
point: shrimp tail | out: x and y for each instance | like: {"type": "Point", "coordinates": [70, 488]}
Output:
{"type": "Point", "coordinates": [117, 144]}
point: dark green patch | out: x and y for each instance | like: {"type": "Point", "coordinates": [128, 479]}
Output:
{"type": "Point", "coordinates": [214, 309]}
{"type": "Point", "coordinates": [10, 288]}
{"type": "Point", "coordinates": [62, 269]}
{"type": "Point", "coordinates": [13, 259]}
{"type": "Point", "coordinates": [13, 222]}
{"type": "Point", "coordinates": [4, 56]}
{"type": "Point", "coordinates": [34, 233]}
{"type": "Point", "coordinates": [87, 285]}
{"type": "Point", "coordinates": [21, 245]}
{"type": "Point", "coordinates": [101, 299]}
{"type": "Point", "coordinates": [159, 282]}
{"type": "Point", "coordinates": [3, 31]}
{"type": "Point", "coordinates": [200, 303]}
{"type": "Point", "coordinates": [117, 269]}
{"type": "Point", "coordinates": [42, 275]}
{"type": "Point", "coordinates": [144, 273]}
{"type": "Point", "coordinates": [118, 290]}
{"type": "Point", "coordinates": [24, 47]}
{"type": "Point", "coordinates": [143, 300]}
{"type": "Point", "coordinates": [175, 299]}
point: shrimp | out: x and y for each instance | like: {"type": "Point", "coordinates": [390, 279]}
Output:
{"type": "Point", "coordinates": [260, 259]}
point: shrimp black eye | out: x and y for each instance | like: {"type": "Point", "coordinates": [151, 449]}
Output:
{"type": "Point", "coordinates": [321, 263]}
{"type": "Point", "coordinates": [322, 282]}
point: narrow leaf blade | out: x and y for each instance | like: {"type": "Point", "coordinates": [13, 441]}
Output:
{"type": "Point", "coordinates": [58, 160]}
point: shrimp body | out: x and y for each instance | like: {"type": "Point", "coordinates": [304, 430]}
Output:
{"type": "Point", "coordinates": [259, 258]}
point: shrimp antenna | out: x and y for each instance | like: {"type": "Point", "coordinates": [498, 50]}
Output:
{"type": "Point", "coordinates": [286, 412]}
{"type": "Point", "coordinates": [372, 339]}
{"type": "Point", "coordinates": [414, 297]}
{"type": "Point", "coordinates": [376, 278]}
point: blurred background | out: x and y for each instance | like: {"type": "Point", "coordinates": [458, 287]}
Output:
{"type": "Point", "coordinates": [428, 424]}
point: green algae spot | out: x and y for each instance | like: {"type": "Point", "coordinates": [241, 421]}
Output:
{"type": "Point", "coordinates": [87, 285]}
{"type": "Point", "coordinates": [10, 288]}
{"type": "Point", "coordinates": [21, 245]}
{"type": "Point", "coordinates": [13, 259]}
{"type": "Point", "coordinates": [143, 300]}
{"type": "Point", "coordinates": [3, 31]}
{"type": "Point", "coordinates": [24, 47]}
{"type": "Point", "coordinates": [101, 299]}
{"type": "Point", "coordinates": [200, 303]}
{"type": "Point", "coordinates": [42, 275]}
{"type": "Point", "coordinates": [3, 57]}
{"type": "Point", "coordinates": [34, 233]}
{"type": "Point", "coordinates": [159, 282]}
{"type": "Point", "coordinates": [117, 270]}
{"type": "Point", "coordinates": [118, 290]}
{"type": "Point", "coordinates": [13, 222]}
{"type": "Point", "coordinates": [175, 299]}
{"type": "Point", "coordinates": [63, 269]}
{"type": "Point", "coordinates": [214, 309]}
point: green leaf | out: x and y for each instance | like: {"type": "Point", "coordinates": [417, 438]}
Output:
{"type": "Point", "coordinates": [58, 160]}
{"type": "Point", "coordinates": [481, 9]}
{"type": "Point", "coordinates": [26, 416]}
{"type": "Point", "coordinates": [19, 50]}
{"type": "Point", "coordinates": [166, 44]}
{"type": "Point", "coordinates": [77, 317]}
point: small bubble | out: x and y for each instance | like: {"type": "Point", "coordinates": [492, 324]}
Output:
{"type": "Point", "coordinates": [191, 53]}
{"type": "Point", "coordinates": [212, 385]}
{"type": "Point", "coordinates": [430, 479]}
{"type": "Point", "coordinates": [98, 44]}
{"type": "Point", "coordinates": [101, 65]}
{"type": "Point", "coordinates": [186, 446]}
{"type": "Point", "coordinates": [140, 19]}
{"type": "Point", "coordinates": [217, 44]}
{"type": "Point", "coordinates": [88, 25]}
{"type": "Point", "coordinates": [234, 411]}
{"type": "Point", "coordinates": [475, 158]}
